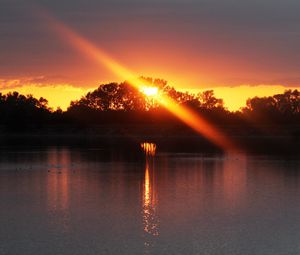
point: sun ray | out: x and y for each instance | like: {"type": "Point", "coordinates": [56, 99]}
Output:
{"type": "Point", "coordinates": [100, 57]}
{"type": "Point", "coordinates": [149, 91]}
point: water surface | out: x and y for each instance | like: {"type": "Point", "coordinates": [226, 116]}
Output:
{"type": "Point", "coordinates": [62, 200]}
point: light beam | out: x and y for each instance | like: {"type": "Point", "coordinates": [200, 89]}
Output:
{"type": "Point", "coordinates": [100, 57]}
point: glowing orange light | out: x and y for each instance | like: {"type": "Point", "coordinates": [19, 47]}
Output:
{"type": "Point", "coordinates": [189, 117]}
{"type": "Point", "coordinates": [150, 91]}
{"type": "Point", "coordinates": [149, 148]}
{"type": "Point", "coordinates": [147, 188]}
{"type": "Point", "coordinates": [150, 218]}
{"type": "Point", "coordinates": [198, 123]}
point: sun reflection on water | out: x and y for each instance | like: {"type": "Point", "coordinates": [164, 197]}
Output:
{"type": "Point", "coordinates": [150, 200]}
{"type": "Point", "coordinates": [149, 149]}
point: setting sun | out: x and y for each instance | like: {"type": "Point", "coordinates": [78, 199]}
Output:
{"type": "Point", "coordinates": [149, 91]}
{"type": "Point", "coordinates": [149, 127]}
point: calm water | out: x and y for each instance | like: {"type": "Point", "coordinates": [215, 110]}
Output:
{"type": "Point", "coordinates": [93, 201]}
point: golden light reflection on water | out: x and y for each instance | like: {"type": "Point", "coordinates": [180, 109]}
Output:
{"type": "Point", "coordinates": [178, 203]}
{"type": "Point", "coordinates": [149, 148]}
{"type": "Point", "coordinates": [150, 200]}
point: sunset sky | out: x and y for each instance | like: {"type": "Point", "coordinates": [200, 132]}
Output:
{"type": "Point", "coordinates": [238, 48]}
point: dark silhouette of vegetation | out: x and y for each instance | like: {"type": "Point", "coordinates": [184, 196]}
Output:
{"type": "Point", "coordinates": [278, 108]}
{"type": "Point", "coordinates": [19, 111]}
{"type": "Point", "coordinates": [121, 109]}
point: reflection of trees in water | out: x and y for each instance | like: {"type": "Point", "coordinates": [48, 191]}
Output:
{"type": "Point", "coordinates": [150, 201]}
{"type": "Point", "coordinates": [58, 195]}
{"type": "Point", "coordinates": [233, 180]}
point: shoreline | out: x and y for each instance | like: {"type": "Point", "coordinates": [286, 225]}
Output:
{"type": "Point", "coordinates": [189, 142]}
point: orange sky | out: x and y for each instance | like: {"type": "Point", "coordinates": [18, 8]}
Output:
{"type": "Point", "coordinates": [227, 46]}
{"type": "Point", "coordinates": [62, 95]}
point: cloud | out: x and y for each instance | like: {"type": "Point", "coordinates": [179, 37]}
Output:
{"type": "Point", "coordinates": [288, 81]}
{"type": "Point", "coordinates": [37, 81]}
{"type": "Point", "coordinates": [250, 39]}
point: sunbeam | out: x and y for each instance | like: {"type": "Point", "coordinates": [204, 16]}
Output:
{"type": "Point", "coordinates": [100, 57]}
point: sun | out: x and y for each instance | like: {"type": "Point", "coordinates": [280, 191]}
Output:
{"type": "Point", "coordinates": [149, 91]}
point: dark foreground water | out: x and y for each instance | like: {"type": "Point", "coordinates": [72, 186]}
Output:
{"type": "Point", "coordinates": [92, 201]}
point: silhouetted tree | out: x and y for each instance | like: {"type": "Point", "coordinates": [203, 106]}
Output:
{"type": "Point", "coordinates": [209, 101]}
{"type": "Point", "coordinates": [112, 96]}
{"type": "Point", "coordinates": [280, 108]}
{"type": "Point", "coordinates": [288, 102]}
{"type": "Point", "coordinates": [115, 104]}
{"type": "Point", "coordinates": [18, 111]}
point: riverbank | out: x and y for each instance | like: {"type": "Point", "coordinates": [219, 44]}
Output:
{"type": "Point", "coordinates": [282, 141]}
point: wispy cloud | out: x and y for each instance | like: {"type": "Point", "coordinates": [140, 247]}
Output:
{"type": "Point", "coordinates": [37, 81]}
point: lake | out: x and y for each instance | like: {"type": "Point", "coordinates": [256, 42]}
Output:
{"type": "Point", "coordinates": [140, 200]}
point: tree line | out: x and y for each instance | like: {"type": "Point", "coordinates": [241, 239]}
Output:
{"type": "Point", "coordinates": [123, 104]}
